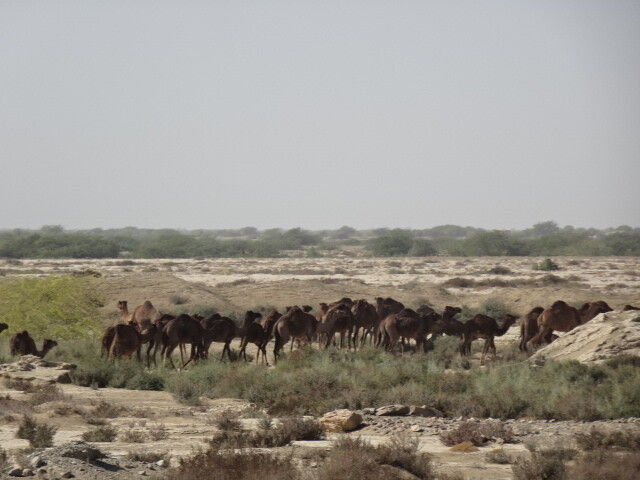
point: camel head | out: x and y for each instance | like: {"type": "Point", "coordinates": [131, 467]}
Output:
{"type": "Point", "coordinates": [450, 312]}
{"type": "Point", "coordinates": [123, 306]}
{"type": "Point", "coordinates": [559, 304]}
{"type": "Point", "coordinates": [3, 327]}
{"type": "Point", "coordinates": [48, 345]}
{"type": "Point", "coordinates": [628, 307]}
{"type": "Point", "coordinates": [307, 308]}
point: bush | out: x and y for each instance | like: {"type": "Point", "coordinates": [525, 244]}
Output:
{"type": "Point", "coordinates": [352, 457]}
{"type": "Point", "coordinates": [547, 265]}
{"type": "Point", "coordinates": [234, 465]}
{"type": "Point", "coordinates": [476, 433]}
{"type": "Point", "coordinates": [100, 434]}
{"type": "Point", "coordinates": [603, 465]}
{"type": "Point", "coordinates": [40, 435]}
{"type": "Point", "coordinates": [598, 439]}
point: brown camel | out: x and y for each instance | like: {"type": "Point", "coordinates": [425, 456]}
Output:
{"type": "Point", "coordinates": [107, 339]}
{"type": "Point", "coordinates": [259, 334]}
{"type": "Point", "coordinates": [627, 308]}
{"type": "Point", "coordinates": [295, 323]}
{"type": "Point", "coordinates": [125, 342]}
{"type": "Point", "coordinates": [366, 317]}
{"type": "Point", "coordinates": [409, 324]}
{"type": "Point", "coordinates": [592, 309]}
{"type": "Point", "coordinates": [220, 330]}
{"type": "Point", "coordinates": [384, 308]}
{"type": "Point", "coordinates": [182, 330]}
{"type": "Point", "coordinates": [22, 344]}
{"type": "Point", "coordinates": [344, 300]}
{"type": "Point", "coordinates": [529, 327]}
{"type": "Point", "coordinates": [560, 317]}
{"type": "Point", "coordinates": [143, 315]}
{"type": "Point", "coordinates": [482, 326]}
{"type": "Point", "coordinates": [243, 330]}
{"type": "Point", "coordinates": [3, 327]}
{"type": "Point", "coordinates": [338, 319]}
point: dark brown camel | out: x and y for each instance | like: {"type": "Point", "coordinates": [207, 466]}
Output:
{"type": "Point", "coordinates": [529, 327]}
{"type": "Point", "coordinates": [248, 327]}
{"type": "Point", "coordinates": [125, 342]}
{"type": "Point", "coordinates": [344, 300]}
{"type": "Point", "coordinates": [338, 319]}
{"type": "Point", "coordinates": [408, 324]}
{"type": "Point", "coordinates": [182, 330]}
{"type": "Point", "coordinates": [22, 344]}
{"type": "Point", "coordinates": [107, 339]}
{"type": "Point", "coordinates": [482, 326]}
{"type": "Point", "coordinates": [220, 330]}
{"type": "Point", "coordinates": [3, 327]}
{"type": "Point", "coordinates": [627, 308]}
{"type": "Point", "coordinates": [365, 317]}
{"type": "Point", "coordinates": [448, 325]}
{"type": "Point", "coordinates": [560, 317]}
{"type": "Point", "coordinates": [590, 310]}
{"type": "Point", "coordinates": [259, 333]}
{"type": "Point", "coordinates": [295, 323]}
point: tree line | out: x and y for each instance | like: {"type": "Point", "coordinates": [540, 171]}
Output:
{"type": "Point", "coordinates": [542, 239]}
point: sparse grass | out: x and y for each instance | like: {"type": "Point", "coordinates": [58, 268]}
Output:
{"type": "Point", "coordinates": [148, 457]}
{"type": "Point", "coordinates": [158, 432]}
{"type": "Point", "coordinates": [132, 435]}
{"type": "Point", "coordinates": [40, 435]}
{"type": "Point", "coordinates": [100, 434]}
{"type": "Point", "coordinates": [498, 456]}
{"type": "Point", "coordinates": [605, 465]}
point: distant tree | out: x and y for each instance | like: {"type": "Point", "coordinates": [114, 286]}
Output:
{"type": "Point", "coordinates": [422, 248]}
{"type": "Point", "coordinates": [344, 233]}
{"type": "Point", "coordinates": [492, 243]}
{"type": "Point", "coordinates": [544, 228]}
{"type": "Point", "coordinates": [397, 242]}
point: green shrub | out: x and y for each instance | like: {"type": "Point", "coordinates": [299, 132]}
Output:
{"type": "Point", "coordinates": [546, 265]}
{"type": "Point", "coordinates": [100, 434]}
{"type": "Point", "coordinates": [603, 465]}
{"type": "Point", "coordinates": [598, 439]}
{"type": "Point", "coordinates": [40, 435]}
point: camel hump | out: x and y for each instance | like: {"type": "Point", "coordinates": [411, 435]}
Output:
{"type": "Point", "coordinates": [148, 304]}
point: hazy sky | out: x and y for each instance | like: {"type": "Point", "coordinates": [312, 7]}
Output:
{"type": "Point", "coordinates": [318, 114]}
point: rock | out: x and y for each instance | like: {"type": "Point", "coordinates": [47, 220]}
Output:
{"type": "Point", "coordinates": [37, 462]}
{"type": "Point", "coordinates": [369, 411]}
{"type": "Point", "coordinates": [424, 411]}
{"type": "Point", "coordinates": [341, 421]}
{"type": "Point", "coordinates": [416, 428]}
{"type": "Point", "coordinates": [81, 451]}
{"type": "Point", "coordinates": [67, 475]}
{"type": "Point", "coordinates": [162, 463]}
{"type": "Point", "coordinates": [15, 472]}
{"type": "Point", "coordinates": [27, 472]}
{"type": "Point", "coordinates": [392, 410]}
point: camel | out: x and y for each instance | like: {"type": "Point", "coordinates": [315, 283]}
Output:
{"type": "Point", "coordinates": [338, 319]}
{"type": "Point", "coordinates": [107, 339]}
{"type": "Point", "coordinates": [384, 308]}
{"type": "Point", "coordinates": [366, 317]}
{"type": "Point", "coordinates": [447, 324]}
{"type": "Point", "coordinates": [217, 329]}
{"type": "Point", "coordinates": [628, 307]}
{"type": "Point", "coordinates": [482, 326]}
{"type": "Point", "coordinates": [409, 324]}
{"type": "Point", "coordinates": [529, 327]}
{"type": "Point", "coordinates": [125, 341]}
{"type": "Point", "coordinates": [3, 327]}
{"type": "Point", "coordinates": [143, 315]}
{"type": "Point", "coordinates": [243, 330]}
{"type": "Point", "coordinates": [592, 309]}
{"type": "Point", "coordinates": [259, 334]}
{"type": "Point", "coordinates": [22, 344]}
{"type": "Point", "coordinates": [182, 330]}
{"type": "Point", "coordinates": [344, 300]}
{"type": "Point", "coordinates": [295, 323]}
{"type": "Point", "coordinates": [560, 317]}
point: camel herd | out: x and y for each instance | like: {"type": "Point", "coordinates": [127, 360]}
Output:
{"type": "Point", "coordinates": [387, 324]}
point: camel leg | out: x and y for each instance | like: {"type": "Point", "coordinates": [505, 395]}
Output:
{"type": "Point", "coordinates": [168, 353]}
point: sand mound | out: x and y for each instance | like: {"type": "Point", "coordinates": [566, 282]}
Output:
{"type": "Point", "coordinates": [606, 336]}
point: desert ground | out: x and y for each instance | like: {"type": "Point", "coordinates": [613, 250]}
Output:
{"type": "Point", "coordinates": [232, 286]}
